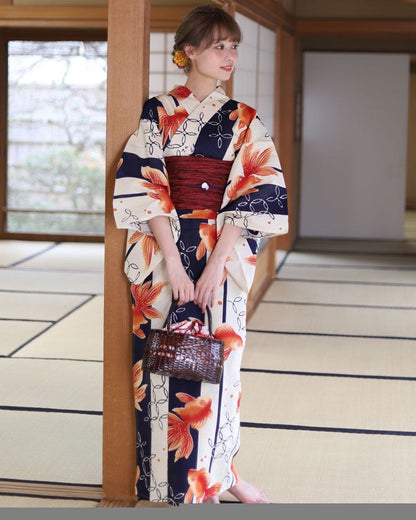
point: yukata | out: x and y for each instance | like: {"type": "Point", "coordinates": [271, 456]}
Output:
{"type": "Point", "coordinates": [201, 164]}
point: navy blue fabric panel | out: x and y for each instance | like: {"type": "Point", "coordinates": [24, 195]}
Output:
{"type": "Point", "coordinates": [178, 471]}
{"type": "Point", "coordinates": [132, 165]}
{"type": "Point", "coordinates": [150, 110]}
{"type": "Point", "coordinates": [269, 199]}
{"type": "Point", "coordinates": [253, 245]}
{"type": "Point", "coordinates": [143, 432]}
{"type": "Point", "coordinates": [216, 135]}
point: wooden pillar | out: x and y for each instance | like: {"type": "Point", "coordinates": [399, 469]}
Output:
{"type": "Point", "coordinates": [128, 72]}
{"type": "Point", "coordinates": [284, 124]}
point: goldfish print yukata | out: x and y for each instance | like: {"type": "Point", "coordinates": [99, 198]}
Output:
{"type": "Point", "coordinates": [201, 164]}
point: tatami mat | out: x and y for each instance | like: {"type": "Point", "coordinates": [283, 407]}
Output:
{"type": "Point", "coordinates": [78, 336]}
{"type": "Point", "coordinates": [348, 259]}
{"type": "Point", "coordinates": [321, 328]}
{"type": "Point", "coordinates": [370, 404]}
{"type": "Point", "coordinates": [52, 447]}
{"type": "Point", "coordinates": [333, 355]}
{"type": "Point", "coordinates": [338, 273]}
{"type": "Point", "coordinates": [334, 320]}
{"type": "Point", "coordinates": [344, 294]}
{"type": "Point", "coordinates": [14, 333]}
{"type": "Point", "coordinates": [294, 466]}
{"type": "Point", "coordinates": [88, 282]}
{"type": "Point", "coordinates": [37, 306]}
{"type": "Point", "coordinates": [12, 251]}
{"type": "Point", "coordinates": [37, 383]}
{"type": "Point", "coordinates": [14, 501]}
{"type": "Point", "coordinates": [69, 256]}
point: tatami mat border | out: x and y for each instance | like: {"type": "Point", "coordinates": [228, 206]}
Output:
{"type": "Point", "coordinates": [48, 248]}
{"type": "Point", "coordinates": [51, 482]}
{"type": "Point", "coordinates": [52, 497]}
{"type": "Point", "coordinates": [282, 262]}
{"type": "Point", "coordinates": [298, 333]}
{"type": "Point", "coordinates": [317, 304]}
{"type": "Point", "coordinates": [48, 410]}
{"type": "Point", "coordinates": [343, 282]}
{"type": "Point", "coordinates": [358, 267]}
{"type": "Point", "coordinates": [56, 359]}
{"type": "Point", "coordinates": [31, 320]}
{"type": "Point", "coordinates": [326, 374]}
{"type": "Point", "coordinates": [55, 293]}
{"type": "Point", "coordinates": [325, 429]}
{"type": "Point", "coordinates": [52, 325]}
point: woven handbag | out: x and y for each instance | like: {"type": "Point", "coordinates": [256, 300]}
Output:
{"type": "Point", "coordinates": [184, 356]}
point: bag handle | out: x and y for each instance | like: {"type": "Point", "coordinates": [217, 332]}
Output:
{"type": "Point", "coordinates": [174, 305]}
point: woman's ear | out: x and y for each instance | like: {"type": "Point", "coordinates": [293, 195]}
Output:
{"type": "Point", "coordinates": [189, 50]}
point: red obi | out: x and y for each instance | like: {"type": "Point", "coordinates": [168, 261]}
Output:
{"type": "Point", "coordinates": [197, 182]}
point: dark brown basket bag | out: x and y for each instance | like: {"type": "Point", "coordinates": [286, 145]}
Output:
{"type": "Point", "coordinates": [184, 356]}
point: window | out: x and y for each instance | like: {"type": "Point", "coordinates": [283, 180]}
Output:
{"type": "Point", "coordinates": [56, 110]}
{"type": "Point", "coordinates": [254, 78]}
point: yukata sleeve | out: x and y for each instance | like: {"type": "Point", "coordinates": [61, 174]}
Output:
{"type": "Point", "coordinates": [255, 200]}
{"type": "Point", "coordinates": [256, 197]}
{"type": "Point", "coordinates": [141, 193]}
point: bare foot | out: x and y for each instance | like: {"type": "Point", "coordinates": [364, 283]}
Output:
{"type": "Point", "coordinates": [212, 500]}
{"type": "Point", "coordinates": [248, 494]}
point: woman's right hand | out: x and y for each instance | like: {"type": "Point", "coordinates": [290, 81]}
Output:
{"type": "Point", "coordinates": [182, 286]}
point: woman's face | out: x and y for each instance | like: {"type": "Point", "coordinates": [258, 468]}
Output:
{"type": "Point", "coordinates": [215, 62]}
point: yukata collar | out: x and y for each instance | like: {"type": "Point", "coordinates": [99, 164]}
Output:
{"type": "Point", "coordinates": [185, 96]}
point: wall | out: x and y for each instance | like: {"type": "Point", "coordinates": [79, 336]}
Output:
{"type": "Point", "coordinates": [354, 141]}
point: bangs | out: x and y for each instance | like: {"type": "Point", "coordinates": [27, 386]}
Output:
{"type": "Point", "coordinates": [223, 31]}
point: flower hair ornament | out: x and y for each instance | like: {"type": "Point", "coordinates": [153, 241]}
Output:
{"type": "Point", "coordinates": [180, 59]}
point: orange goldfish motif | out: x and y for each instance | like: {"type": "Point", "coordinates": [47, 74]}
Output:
{"type": "Point", "coordinates": [169, 124]}
{"type": "Point", "coordinates": [254, 165]}
{"type": "Point", "coordinates": [120, 162]}
{"type": "Point", "coordinates": [201, 213]}
{"type": "Point", "coordinates": [180, 92]}
{"type": "Point", "coordinates": [198, 480]}
{"type": "Point", "coordinates": [244, 137]}
{"type": "Point", "coordinates": [158, 187]}
{"type": "Point", "coordinates": [232, 341]}
{"type": "Point", "coordinates": [139, 389]}
{"type": "Point", "coordinates": [239, 401]}
{"type": "Point", "coordinates": [244, 114]}
{"type": "Point", "coordinates": [144, 296]}
{"type": "Point", "coordinates": [149, 245]}
{"type": "Point", "coordinates": [208, 234]}
{"type": "Point", "coordinates": [195, 414]}
{"type": "Point", "coordinates": [251, 259]}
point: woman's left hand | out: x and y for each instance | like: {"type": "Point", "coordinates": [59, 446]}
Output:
{"type": "Point", "coordinates": [206, 288]}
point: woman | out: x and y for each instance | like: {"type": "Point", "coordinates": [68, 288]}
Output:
{"type": "Point", "coordinates": [198, 185]}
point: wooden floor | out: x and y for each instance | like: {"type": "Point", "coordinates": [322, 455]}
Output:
{"type": "Point", "coordinates": [329, 376]}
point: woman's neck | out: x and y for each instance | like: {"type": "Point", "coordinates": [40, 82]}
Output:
{"type": "Point", "coordinates": [201, 89]}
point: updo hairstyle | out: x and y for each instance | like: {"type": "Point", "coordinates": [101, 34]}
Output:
{"type": "Point", "coordinates": [202, 26]}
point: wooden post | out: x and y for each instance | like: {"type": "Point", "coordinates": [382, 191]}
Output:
{"type": "Point", "coordinates": [128, 72]}
{"type": "Point", "coordinates": [284, 124]}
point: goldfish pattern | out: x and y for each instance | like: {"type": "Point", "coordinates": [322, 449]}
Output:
{"type": "Point", "coordinates": [187, 432]}
{"type": "Point", "coordinates": [232, 341]}
{"type": "Point", "coordinates": [194, 414]}
{"type": "Point", "coordinates": [199, 489]}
